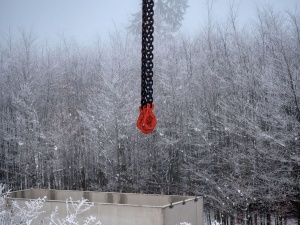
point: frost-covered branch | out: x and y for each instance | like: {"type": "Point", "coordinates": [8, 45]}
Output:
{"type": "Point", "coordinates": [77, 207]}
{"type": "Point", "coordinates": [32, 209]}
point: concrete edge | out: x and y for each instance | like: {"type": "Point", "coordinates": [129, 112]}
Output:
{"type": "Point", "coordinates": [95, 203]}
{"type": "Point", "coordinates": [180, 202]}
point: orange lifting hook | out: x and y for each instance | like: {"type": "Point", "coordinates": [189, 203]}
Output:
{"type": "Point", "coordinates": [146, 121]}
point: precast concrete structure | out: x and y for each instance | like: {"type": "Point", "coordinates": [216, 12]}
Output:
{"type": "Point", "coordinates": [113, 208]}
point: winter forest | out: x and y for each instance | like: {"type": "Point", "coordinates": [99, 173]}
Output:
{"type": "Point", "coordinates": [227, 103]}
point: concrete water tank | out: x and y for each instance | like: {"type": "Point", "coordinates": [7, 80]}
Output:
{"type": "Point", "coordinates": [113, 208]}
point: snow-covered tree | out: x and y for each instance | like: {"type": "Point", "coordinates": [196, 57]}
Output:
{"type": "Point", "coordinates": [168, 16]}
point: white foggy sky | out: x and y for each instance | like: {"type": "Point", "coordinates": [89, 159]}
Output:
{"type": "Point", "coordinates": [84, 19]}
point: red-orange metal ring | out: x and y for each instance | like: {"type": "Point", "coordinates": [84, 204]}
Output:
{"type": "Point", "coordinates": [146, 121]}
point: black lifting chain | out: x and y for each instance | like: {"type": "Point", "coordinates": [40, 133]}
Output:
{"type": "Point", "coordinates": [147, 52]}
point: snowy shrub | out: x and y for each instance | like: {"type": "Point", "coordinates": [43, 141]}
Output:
{"type": "Point", "coordinates": [5, 216]}
{"type": "Point", "coordinates": [3, 196]}
{"type": "Point", "coordinates": [17, 214]}
{"type": "Point", "coordinates": [32, 209]}
{"type": "Point", "coordinates": [77, 207]}
{"type": "Point", "coordinates": [216, 223]}
{"type": "Point", "coordinates": [26, 214]}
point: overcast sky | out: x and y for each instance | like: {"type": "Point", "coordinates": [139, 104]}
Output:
{"type": "Point", "coordinates": [84, 19]}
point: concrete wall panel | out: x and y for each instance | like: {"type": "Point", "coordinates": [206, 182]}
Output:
{"type": "Point", "coordinates": [66, 194]}
{"type": "Point", "coordinates": [129, 215]}
{"type": "Point", "coordinates": [180, 212]}
{"type": "Point", "coordinates": [39, 193]}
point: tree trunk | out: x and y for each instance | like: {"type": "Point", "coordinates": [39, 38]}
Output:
{"type": "Point", "coordinates": [232, 220]}
{"type": "Point", "coordinates": [250, 220]}
{"type": "Point", "coordinates": [298, 210]}
{"type": "Point", "coordinates": [262, 220]}
{"type": "Point", "coordinates": [268, 219]}
{"type": "Point", "coordinates": [285, 219]}
{"type": "Point", "coordinates": [255, 219]}
{"type": "Point", "coordinates": [208, 218]}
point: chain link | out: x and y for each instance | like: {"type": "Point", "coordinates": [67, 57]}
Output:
{"type": "Point", "coordinates": [147, 52]}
